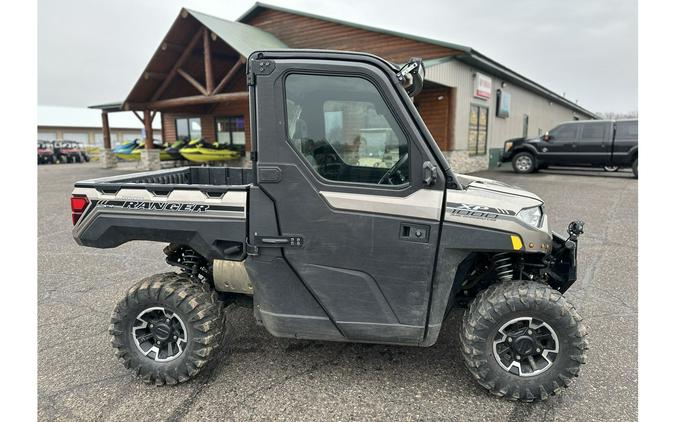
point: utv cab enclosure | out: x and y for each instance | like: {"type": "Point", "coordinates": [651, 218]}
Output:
{"type": "Point", "coordinates": [350, 226]}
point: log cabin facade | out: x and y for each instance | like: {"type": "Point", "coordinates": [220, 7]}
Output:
{"type": "Point", "coordinates": [196, 81]}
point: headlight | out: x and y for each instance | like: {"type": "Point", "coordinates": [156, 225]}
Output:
{"type": "Point", "coordinates": [531, 216]}
{"type": "Point", "coordinates": [508, 146]}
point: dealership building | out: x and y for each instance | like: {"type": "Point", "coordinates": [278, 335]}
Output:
{"type": "Point", "coordinates": [470, 103]}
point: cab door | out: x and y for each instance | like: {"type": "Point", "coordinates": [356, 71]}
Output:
{"type": "Point", "coordinates": [561, 146]}
{"type": "Point", "coordinates": [342, 160]}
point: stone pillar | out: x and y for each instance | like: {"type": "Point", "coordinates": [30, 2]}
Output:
{"type": "Point", "coordinates": [150, 159]}
{"type": "Point", "coordinates": [107, 158]}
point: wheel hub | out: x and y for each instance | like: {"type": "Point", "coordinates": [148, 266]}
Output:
{"type": "Point", "coordinates": [159, 334]}
{"type": "Point", "coordinates": [525, 346]}
{"type": "Point", "coordinates": [161, 331]}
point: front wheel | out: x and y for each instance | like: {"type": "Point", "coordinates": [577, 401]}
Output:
{"type": "Point", "coordinates": [523, 341]}
{"type": "Point", "coordinates": [611, 169]}
{"type": "Point", "coordinates": [167, 328]}
{"type": "Point", "coordinates": [523, 162]}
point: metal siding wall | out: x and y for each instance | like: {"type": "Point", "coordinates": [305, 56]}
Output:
{"type": "Point", "coordinates": [541, 114]}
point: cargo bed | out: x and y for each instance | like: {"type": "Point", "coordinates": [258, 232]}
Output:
{"type": "Point", "coordinates": [204, 208]}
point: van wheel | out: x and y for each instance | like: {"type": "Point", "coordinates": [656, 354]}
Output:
{"type": "Point", "coordinates": [167, 328]}
{"type": "Point", "coordinates": [523, 341]}
{"type": "Point", "coordinates": [523, 162]}
{"type": "Point", "coordinates": [635, 168]}
{"type": "Point", "coordinates": [611, 169]}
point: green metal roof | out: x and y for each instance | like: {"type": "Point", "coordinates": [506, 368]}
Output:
{"type": "Point", "coordinates": [244, 38]}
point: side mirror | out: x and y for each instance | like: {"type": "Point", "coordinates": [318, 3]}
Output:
{"type": "Point", "coordinates": [430, 173]}
{"type": "Point", "coordinates": [547, 137]}
{"type": "Point", "coordinates": [411, 75]}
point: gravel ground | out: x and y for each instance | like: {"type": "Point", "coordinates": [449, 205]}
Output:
{"type": "Point", "coordinates": [259, 377]}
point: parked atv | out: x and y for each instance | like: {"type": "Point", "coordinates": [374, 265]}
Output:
{"type": "Point", "coordinates": [70, 152]}
{"type": "Point", "coordinates": [45, 153]}
{"type": "Point", "coordinates": [337, 249]}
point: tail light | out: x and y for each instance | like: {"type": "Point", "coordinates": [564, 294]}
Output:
{"type": "Point", "coordinates": [77, 206]}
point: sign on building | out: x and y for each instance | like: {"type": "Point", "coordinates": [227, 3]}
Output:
{"type": "Point", "coordinates": [503, 103]}
{"type": "Point", "coordinates": [482, 86]}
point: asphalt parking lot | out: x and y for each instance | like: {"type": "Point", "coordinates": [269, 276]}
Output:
{"type": "Point", "coordinates": [259, 377]}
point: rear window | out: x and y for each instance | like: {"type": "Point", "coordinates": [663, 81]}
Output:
{"type": "Point", "coordinates": [593, 131]}
{"type": "Point", "coordinates": [627, 130]}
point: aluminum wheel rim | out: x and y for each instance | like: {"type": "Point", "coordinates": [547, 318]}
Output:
{"type": "Point", "coordinates": [523, 163]}
{"type": "Point", "coordinates": [154, 346]}
{"type": "Point", "coordinates": [545, 346]}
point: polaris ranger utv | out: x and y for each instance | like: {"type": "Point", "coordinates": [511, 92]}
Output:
{"type": "Point", "coordinates": [349, 227]}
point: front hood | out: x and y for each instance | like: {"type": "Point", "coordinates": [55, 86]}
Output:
{"type": "Point", "coordinates": [474, 184]}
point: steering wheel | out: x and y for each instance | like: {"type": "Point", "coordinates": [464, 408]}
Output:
{"type": "Point", "coordinates": [386, 177]}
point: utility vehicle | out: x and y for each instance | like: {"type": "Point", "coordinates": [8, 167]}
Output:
{"type": "Point", "coordinates": [350, 226]}
{"type": "Point", "coordinates": [607, 144]}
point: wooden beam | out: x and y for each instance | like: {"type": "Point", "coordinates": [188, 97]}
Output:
{"type": "Point", "coordinates": [186, 101]}
{"type": "Point", "coordinates": [169, 46]}
{"type": "Point", "coordinates": [154, 75]}
{"type": "Point", "coordinates": [177, 65]}
{"type": "Point", "coordinates": [208, 69]}
{"type": "Point", "coordinates": [192, 81]}
{"type": "Point", "coordinates": [138, 116]}
{"type": "Point", "coordinates": [148, 130]}
{"type": "Point", "coordinates": [227, 78]}
{"type": "Point", "coordinates": [106, 131]}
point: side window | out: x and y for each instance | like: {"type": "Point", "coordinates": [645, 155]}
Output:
{"type": "Point", "coordinates": [593, 131]}
{"type": "Point", "coordinates": [478, 121]}
{"type": "Point", "coordinates": [627, 130]}
{"type": "Point", "coordinates": [343, 129]}
{"type": "Point", "coordinates": [565, 132]}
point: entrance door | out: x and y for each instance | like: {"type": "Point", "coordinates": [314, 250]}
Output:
{"type": "Point", "coordinates": [343, 162]}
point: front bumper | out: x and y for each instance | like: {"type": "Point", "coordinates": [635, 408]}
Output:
{"type": "Point", "coordinates": [505, 156]}
{"type": "Point", "coordinates": [562, 270]}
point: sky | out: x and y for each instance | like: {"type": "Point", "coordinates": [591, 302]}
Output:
{"type": "Point", "coordinates": [93, 51]}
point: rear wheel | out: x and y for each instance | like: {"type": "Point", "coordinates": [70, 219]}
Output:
{"type": "Point", "coordinates": [523, 341]}
{"type": "Point", "coordinates": [635, 168]}
{"type": "Point", "coordinates": [167, 328]}
{"type": "Point", "coordinates": [611, 169]}
{"type": "Point", "coordinates": [523, 162]}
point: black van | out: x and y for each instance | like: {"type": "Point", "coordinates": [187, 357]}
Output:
{"type": "Point", "coordinates": [608, 144]}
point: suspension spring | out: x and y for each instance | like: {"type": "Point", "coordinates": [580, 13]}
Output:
{"type": "Point", "coordinates": [503, 266]}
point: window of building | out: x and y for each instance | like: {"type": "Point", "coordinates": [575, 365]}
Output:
{"type": "Point", "coordinates": [189, 128]}
{"type": "Point", "coordinates": [593, 131]}
{"type": "Point", "coordinates": [343, 129]}
{"type": "Point", "coordinates": [230, 130]}
{"type": "Point", "coordinates": [564, 132]}
{"type": "Point", "coordinates": [526, 125]}
{"type": "Point", "coordinates": [478, 127]}
{"type": "Point", "coordinates": [627, 130]}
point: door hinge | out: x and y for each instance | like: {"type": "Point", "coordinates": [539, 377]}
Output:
{"type": "Point", "coordinates": [250, 79]}
{"type": "Point", "coordinates": [254, 155]}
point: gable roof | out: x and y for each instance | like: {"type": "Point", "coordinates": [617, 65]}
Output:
{"type": "Point", "coordinates": [245, 39]}
{"type": "Point", "coordinates": [469, 55]}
